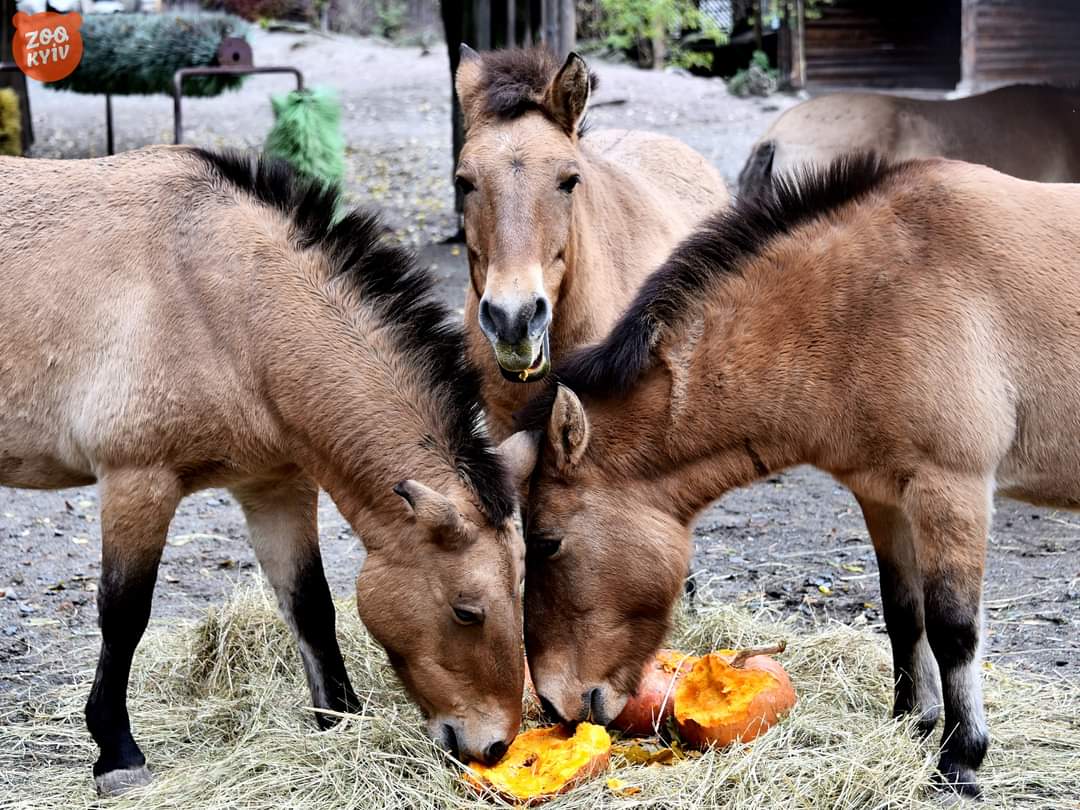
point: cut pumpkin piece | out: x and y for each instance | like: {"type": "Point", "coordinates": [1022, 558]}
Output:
{"type": "Point", "coordinates": [730, 696]}
{"type": "Point", "coordinates": [648, 709]}
{"type": "Point", "coordinates": [544, 762]}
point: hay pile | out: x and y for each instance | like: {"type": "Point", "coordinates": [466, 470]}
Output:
{"type": "Point", "coordinates": [218, 709]}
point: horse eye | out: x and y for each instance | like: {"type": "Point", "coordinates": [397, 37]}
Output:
{"type": "Point", "coordinates": [544, 547]}
{"type": "Point", "coordinates": [464, 185]}
{"type": "Point", "coordinates": [468, 616]}
{"type": "Point", "coordinates": [570, 183]}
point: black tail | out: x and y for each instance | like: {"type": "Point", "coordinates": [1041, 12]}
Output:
{"type": "Point", "coordinates": [756, 175]}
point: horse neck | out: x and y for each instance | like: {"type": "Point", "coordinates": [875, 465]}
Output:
{"type": "Point", "coordinates": [722, 407]}
{"type": "Point", "coordinates": [605, 261]}
{"type": "Point", "coordinates": [353, 406]}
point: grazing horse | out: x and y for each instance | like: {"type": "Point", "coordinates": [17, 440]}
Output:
{"type": "Point", "coordinates": [1029, 131]}
{"type": "Point", "coordinates": [562, 225]}
{"type": "Point", "coordinates": [913, 331]}
{"type": "Point", "coordinates": [174, 320]}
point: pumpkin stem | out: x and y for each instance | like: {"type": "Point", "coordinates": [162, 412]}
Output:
{"type": "Point", "coordinates": [742, 656]}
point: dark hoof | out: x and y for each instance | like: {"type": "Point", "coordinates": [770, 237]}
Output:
{"type": "Point", "coordinates": [927, 720]}
{"type": "Point", "coordinates": [959, 778]}
{"type": "Point", "coordinates": [925, 727]}
{"type": "Point", "coordinates": [122, 780]}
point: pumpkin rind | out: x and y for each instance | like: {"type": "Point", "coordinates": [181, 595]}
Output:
{"type": "Point", "coordinates": [646, 710]}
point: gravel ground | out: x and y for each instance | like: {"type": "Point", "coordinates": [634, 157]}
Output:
{"type": "Point", "coordinates": [795, 543]}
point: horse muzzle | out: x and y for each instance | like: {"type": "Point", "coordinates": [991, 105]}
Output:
{"type": "Point", "coordinates": [527, 361]}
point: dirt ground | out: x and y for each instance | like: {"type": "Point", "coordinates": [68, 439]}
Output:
{"type": "Point", "coordinates": [795, 543]}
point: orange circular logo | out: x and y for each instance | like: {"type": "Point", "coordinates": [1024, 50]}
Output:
{"type": "Point", "coordinates": [47, 46]}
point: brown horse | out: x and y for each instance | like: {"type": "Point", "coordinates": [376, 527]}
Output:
{"type": "Point", "coordinates": [175, 320]}
{"type": "Point", "coordinates": [1028, 131]}
{"type": "Point", "coordinates": [914, 331]}
{"type": "Point", "coordinates": [562, 226]}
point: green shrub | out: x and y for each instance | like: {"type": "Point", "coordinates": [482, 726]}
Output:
{"type": "Point", "coordinates": [757, 79]}
{"type": "Point", "coordinates": [660, 31]}
{"type": "Point", "coordinates": [137, 54]}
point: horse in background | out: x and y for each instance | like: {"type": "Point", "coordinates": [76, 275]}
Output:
{"type": "Point", "coordinates": [1029, 131]}
{"type": "Point", "coordinates": [562, 223]}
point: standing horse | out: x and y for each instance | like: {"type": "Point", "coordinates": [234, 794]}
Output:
{"type": "Point", "coordinates": [1029, 131]}
{"type": "Point", "coordinates": [913, 331]}
{"type": "Point", "coordinates": [562, 225]}
{"type": "Point", "coordinates": [175, 320]}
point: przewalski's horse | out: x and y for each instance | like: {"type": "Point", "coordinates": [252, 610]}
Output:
{"type": "Point", "coordinates": [1028, 131]}
{"type": "Point", "coordinates": [175, 320]}
{"type": "Point", "coordinates": [914, 331]}
{"type": "Point", "coordinates": [562, 226]}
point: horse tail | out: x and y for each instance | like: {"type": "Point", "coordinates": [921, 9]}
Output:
{"type": "Point", "coordinates": [756, 174]}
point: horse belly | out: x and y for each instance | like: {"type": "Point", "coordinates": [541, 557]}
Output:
{"type": "Point", "coordinates": [37, 471]}
{"type": "Point", "coordinates": [1043, 470]}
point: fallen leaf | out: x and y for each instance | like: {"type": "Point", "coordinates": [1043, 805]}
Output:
{"type": "Point", "coordinates": [825, 589]}
{"type": "Point", "coordinates": [620, 788]}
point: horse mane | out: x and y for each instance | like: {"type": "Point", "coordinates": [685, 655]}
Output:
{"type": "Point", "coordinates": [513, 81]}
{"type": "Point", "coordinates": [717, 249]}
{"type": "Point", "coordinates": [388, 280]}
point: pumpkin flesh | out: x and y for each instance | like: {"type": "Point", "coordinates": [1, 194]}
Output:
{"type": "Point", "coordinates": [545, 762]}
{"type": "Point", "coordinates": [717, 703]}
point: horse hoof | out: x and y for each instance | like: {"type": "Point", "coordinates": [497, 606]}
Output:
{"type": "Point", "coordinates": [960, 779]}
{"type": "Point", "coordinates": [122, 780]}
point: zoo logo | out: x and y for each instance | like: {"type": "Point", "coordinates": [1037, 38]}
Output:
{"type": "Point", "coordinates": [47, 46]}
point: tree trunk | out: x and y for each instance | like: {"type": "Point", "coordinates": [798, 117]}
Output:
{"type": "Point", "coordinates": [757, 25]}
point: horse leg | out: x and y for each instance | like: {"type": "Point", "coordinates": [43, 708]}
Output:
{"type": "Point", "coordinates": [916, 683]}
{"type": "Point", "coordinates": [950, 517]}
{"type": "Point", "coordinates": [136, 507]}
{"type": "Point", "coordinates": [282, 521]}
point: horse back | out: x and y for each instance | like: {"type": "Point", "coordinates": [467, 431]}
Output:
{"type": "Point", "coordinates": [116, 298]}
{"type": "Point", "coordinates": [686, 186]}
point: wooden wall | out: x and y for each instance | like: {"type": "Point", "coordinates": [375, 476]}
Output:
{"type": "Point", "coordinates": [1009, 41]}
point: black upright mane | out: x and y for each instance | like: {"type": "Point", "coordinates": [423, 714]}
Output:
{"type": "Point", "coordinates": [387, 279]}
{"type": "Point", "coordinates": [718, 248]}
{"type": "Point", "coordinates": [512, 81]}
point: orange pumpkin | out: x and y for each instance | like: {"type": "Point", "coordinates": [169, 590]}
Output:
{"type": "Point", "coordinates": [729, 696]}
{"type": "Point", "coordinates": [648, 709]}
{"type": "Point", "coordinates": [544, 762]}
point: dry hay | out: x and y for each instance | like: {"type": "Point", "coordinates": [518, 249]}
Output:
{"type": "Point", "coordinates": [218, 709]}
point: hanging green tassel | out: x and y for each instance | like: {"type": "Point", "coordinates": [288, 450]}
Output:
{"type": "Point", "coordinates": [307, 133]}
{"type": "Point", "coordinates": [10, 123]}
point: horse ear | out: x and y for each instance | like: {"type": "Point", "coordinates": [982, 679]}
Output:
{"type": "Point", "coordinates": [568, 94]}
{"type": "Point", "coordinates": [433, 510]}
{"type": "Point", "coordinates": [467, 81]}
{"type": "Point", "coordinates": [519, 454]}
{"type": "Point", "coordinates": [568, 429]}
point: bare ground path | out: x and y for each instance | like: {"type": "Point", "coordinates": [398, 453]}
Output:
{"type": "Point", "coordinates": [795, 543]}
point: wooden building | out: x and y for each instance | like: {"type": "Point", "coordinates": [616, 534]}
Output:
{"type": "Point", "coordinates": [970, 45]}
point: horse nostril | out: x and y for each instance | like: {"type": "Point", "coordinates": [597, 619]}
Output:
{"type": "Point", "coordinates": [450, 741]}
{"type": "Point", "coordinates": [541, 316]}
{"type": "Point", "coordinates": [487, 323]}
{"type": "Point", "coordinates": [496, 322]}
{"type": "Point", "coordinates": [494, 752]}
{"type": "Point", "coordinates": [550, 712]}
{"type": "Point", "coordinates": [593, 703]}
